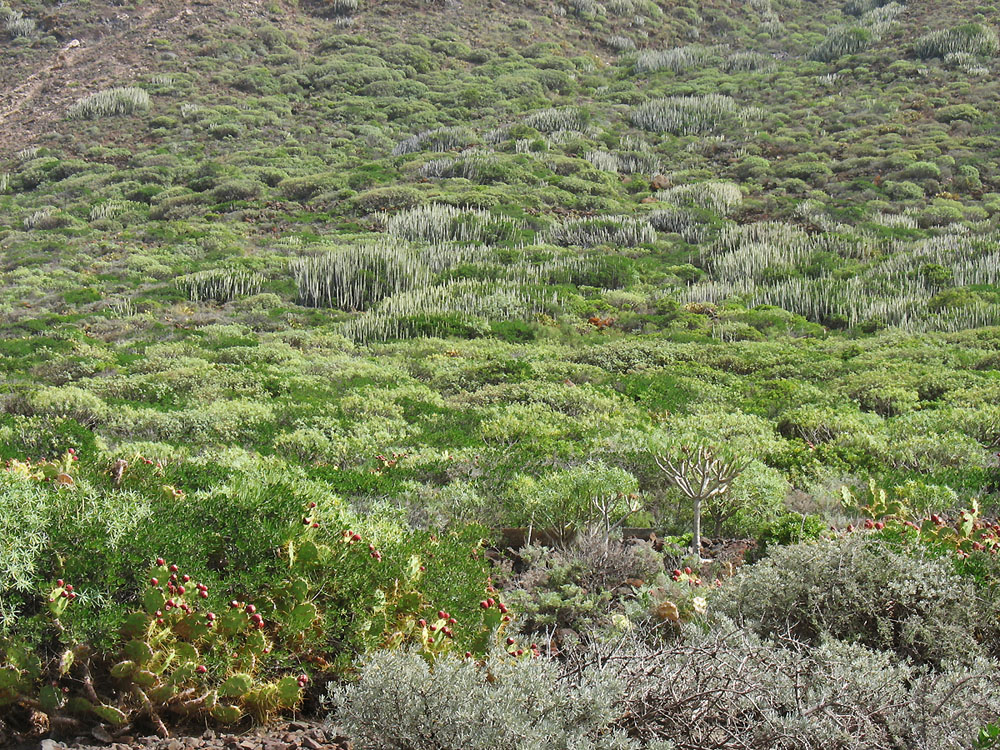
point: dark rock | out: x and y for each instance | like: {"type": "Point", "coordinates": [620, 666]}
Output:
{"type": "Point", "coordinates": [101, 734]}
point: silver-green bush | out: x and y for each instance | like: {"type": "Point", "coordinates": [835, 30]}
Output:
{"type": "Point", "coordinates": [974, 38]}
{"type": "Point", "coordinates": [110, 103]}
{"type": "Point", "coordinates": [857, 588]}
{"type": "Point", "coordinates": [402, 702]}
{"type": "Point", "coordinates": [727, 688]}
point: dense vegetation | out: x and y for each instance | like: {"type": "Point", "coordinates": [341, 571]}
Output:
{"type": "Point", "coordinates": [311, 309]}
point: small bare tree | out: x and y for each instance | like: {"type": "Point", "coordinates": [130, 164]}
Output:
{"type": "Point", "coordinates": [701, 475]}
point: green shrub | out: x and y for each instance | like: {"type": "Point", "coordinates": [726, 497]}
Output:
{"type": "Point", "coordinates": [110, 103]}
{"type": "Point", "coordinates": [688, 115]}
{"type": "Point", "coordinates": [357, 277]}
{"type": "Point", "coordinates": [459, 704]}
{"type": "Point", "coordinates": [973, 38]}
{"type": "Point", "coordinates": [720, 676]}
{"type": "Point", "coordinates": [843, 40]}
{"type": "Point", "coordinates": [387, 199]}
{"type": "Point", "coordinates": [858, 588]}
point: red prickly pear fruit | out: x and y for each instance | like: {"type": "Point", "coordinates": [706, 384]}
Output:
{"type": "Point", "coordinates": [201, 669]}
{"type": "Point", "coordinates": [173, 568]}
{"type": "Point", "coordinates": [160, 561]}
{"type": "Point", "coordinates": [60, 582]}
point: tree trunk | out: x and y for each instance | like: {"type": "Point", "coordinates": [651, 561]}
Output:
{"type": "Point", "coordinates": [696, 537]}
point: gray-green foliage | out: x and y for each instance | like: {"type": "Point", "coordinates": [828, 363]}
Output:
{"type": "Point", "coordinates": [715, 195]}
{"type": "Point", "coordinates": [110, 103]}
{"type": "Point", "coordinates": [402, 702]}
{"type": "Point", "coordinates": [220, 284]}
{"type": "Point", "coordinates": [725, 687]}
{"type": "Point", "coordinates": [437, 139]}
{"type": "Point", "coordinates": [617, 231]}
{"type": "Point", "coordinates": [849, 39]}
{"type": "Point", "coordinates": [688, 115]}
{"type": "Point", "coordinates": [675, 59]}
{"type": "Point", "coordinates": [443, 223]}
{"type": "Point", "coordinates": [358, 276]}
{"type": "Point", "coordinates": [973, 38]}
{"type": "Point", "coordinates": [554, 119]}
{"type": "Point", "coordinates": [16, 23]}
{"type": "Point", "coordinates": [857, 588]}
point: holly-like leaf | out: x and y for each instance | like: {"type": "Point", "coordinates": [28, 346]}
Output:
{"type": "Point", "coordinates": [302, 616]}
{"type": "Point", "coordinates": [289, 692]}
{"type": "Point", "coordinates": [410, 603]}
{"type": "Point", "coordinates": [66, 661]}
{"type": "Point", "coordinates": [308, 553]}
{"type": "Point", "coordinates": [123, 669]}
{"type": "Point", "coordinates": [413, 567]}
{"type": "Point", "coordinates": [231, 623]}
{"type": "Point", "coordinates": [144, 678]}
{"type": "Point", "coordinates": [51, 699]}
{"type": "Point", "coordinates": [79, 706]}
{"type": "Point", "coordinates": [153, 601]}
{"type": "Point", "coordinates": [135, 625]}
{"type": "Point", "coordinates": [299, 589]}
{"type": "Point", "coordinates": [236, 686]}
{"type": "Point", "coordinates": [110, 714]}
{"type": "Point", "coordinates": [186, 652]}
{"type": "Point", "coordinates": [162, 693]}
{"type": "Point", "coordinates": [227, 714]}
{"type": "Point", "coordinates": [138, 651]}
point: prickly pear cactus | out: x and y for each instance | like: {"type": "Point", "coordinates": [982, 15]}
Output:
{"type": "Point", "coordinates": [164, 664]}
{"type": "Point", "coordinates": [20, 670]}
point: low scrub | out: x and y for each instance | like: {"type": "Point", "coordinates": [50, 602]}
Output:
{"type": "Point", "coordinates": [111, 103]}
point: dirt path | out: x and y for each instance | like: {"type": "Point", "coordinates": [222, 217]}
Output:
{"type": "Point", "coordinates": [80, 67]}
